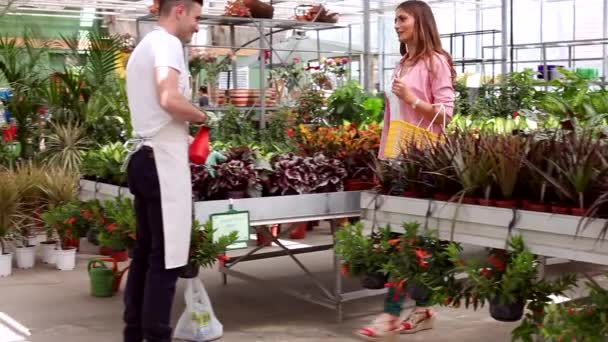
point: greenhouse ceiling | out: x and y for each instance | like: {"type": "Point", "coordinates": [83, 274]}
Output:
{"type": "Point", "coordinates": [350, 10]}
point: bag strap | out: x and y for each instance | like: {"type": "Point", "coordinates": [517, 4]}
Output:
{"type": "Point", "coordinates": [441, 109]}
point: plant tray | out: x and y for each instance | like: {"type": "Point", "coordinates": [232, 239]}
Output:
{"type": "Point", "coordinates": [546, 234]}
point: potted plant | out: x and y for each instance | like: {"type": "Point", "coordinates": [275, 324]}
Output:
{"type": "Point", "coordinates": [577, 320]}
{"type": "Point", "coordinates": [421, 264]}
{"type": "Point", "coordinates": [118, 234]}
{"type": "Point", "coordinates": [507, 280]}
{"type": "Point", "coordinates": [365, 255]}
{"type": "Point", "coordinates": [205, 247]}
{"type": "Point", "coordinates": [61, 220]}
{"type": "Point", "coordinates": [10, 210]}
{"type": "Point", "coordinates": [236, 176]}
{"type": "Point", "coordinates": [302, 175]}
{"type": "Point", "coordinates": [507, 153]}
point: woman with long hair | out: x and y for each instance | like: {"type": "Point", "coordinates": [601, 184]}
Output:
{"type": "Point", "coordinates": [423, 95]}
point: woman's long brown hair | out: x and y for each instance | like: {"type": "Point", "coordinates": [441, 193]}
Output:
{"type": "Point", "coordinates": [426, 35]}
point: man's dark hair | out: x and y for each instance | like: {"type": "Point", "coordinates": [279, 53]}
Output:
{"type": "Point", "coordinates": [165, 6]}
{"type": "Point", "coordinates": [202, 89]}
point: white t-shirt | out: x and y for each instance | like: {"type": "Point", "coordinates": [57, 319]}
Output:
{"type": "Point", "coordinates": [158, 49]}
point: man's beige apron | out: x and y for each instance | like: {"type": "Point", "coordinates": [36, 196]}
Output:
{"type": "Point", "coordinates": [170, 146]}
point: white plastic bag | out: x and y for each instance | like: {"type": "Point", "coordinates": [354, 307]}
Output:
{"type": "Point", "coordinates": [198, 322]}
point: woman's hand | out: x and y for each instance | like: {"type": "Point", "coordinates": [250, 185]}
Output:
{"type": "Point", "coordinates": [403, 92]}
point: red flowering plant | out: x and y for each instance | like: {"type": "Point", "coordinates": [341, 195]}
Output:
{"type": "Point", "coordinates": [577, 320]}
{"type": "Point", "coordinates": [65, 221]}
{"type": "Point", "coordinates": [422, 267]}
{"type": "Point", "coordinates": [236, 8]}
{"type": "Point", "coordinates": [364, 253]}
{"type": "Point", "coordinates": [118, 232]}
{"type": "Point", "coordinates": [507, 278]}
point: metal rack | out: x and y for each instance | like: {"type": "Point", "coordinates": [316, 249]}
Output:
{"type": "Point", "coordinates": [266, 29]}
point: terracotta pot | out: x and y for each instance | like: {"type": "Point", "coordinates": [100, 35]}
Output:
{"type": "Point", "coordinates": [560, 210]}
{"type": "Point", "coordinates": [69, 242]}
{"type": "Point", "coordinates": [236, 194]}
{"type": "Point", "coordinates": [261, 238]}
{"type": "Point", "coordinates": [536, 207]}
{"type": "Point", "coordinates": [299, 232]}
{"type": "Point", "coordinates": [486, 202]}
{"type": "Point", "coordinates": [105, 251]}
{"type": "Point", "coordinates": [469, 200]}
{"type": "Point", "coordinates": [356, 184]}
{"type": "Point", "coordinates": [576, 211]}
{"type": "Point", "coordinates": [506, 204]}
{"type": "Point", "coordinates": [411, 194]}
{"type": "Point", "coordinates": [119, 256]}
{"type": "Point", "coordinates": [442, 197]}
{"type": "Point", "coordinates": [260, 9]}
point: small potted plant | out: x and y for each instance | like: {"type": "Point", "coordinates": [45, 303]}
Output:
{"type": "Point", "coordinates": [61, 220]}
{"type": "Point", "coordinates": [421, 264]}
{"type": "Point", "coordinates": [507, 280]}
{"type": "Point", "coordinates": [10, 208]}
{"type": "Point", "coordinates": [118, 234]}
{"type": "Point", "coordinates": [365, 255]}
{"type": "Point", "coordinates": [236, 176]}
{"type": "Point", "coordinates": [571, 321]}
{"type": "Point", "coordinates": [205, 248]}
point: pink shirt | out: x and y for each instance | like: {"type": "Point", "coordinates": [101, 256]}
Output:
{"type": "Point", "coordinates": [432, 88]}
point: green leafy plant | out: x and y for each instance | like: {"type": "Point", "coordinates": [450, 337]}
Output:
{"type": "Point", "coordinates": [572, 321]}
{"type": "Point", "coordinates": [346, 104]}
{"type": "Point", "coordinates": [362, 253]}
{"type": "Point", "coordinates": [65, 146]}
{"type": "Point", "coordinates": [423, 260]}
{"type": "Point", "coordinates": [65, 221]}
{"type": "Point", "coordinates": [104, 164]}
{"type": "Point", "coordinates": [119, 230]}
{"type": "Point", "coordinates": [205, 247]}
{"type": "Point", "coordinates": [509, 276]}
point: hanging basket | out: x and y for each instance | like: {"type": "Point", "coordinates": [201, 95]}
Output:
{"type": "Point", "coordinates": [374, 281]}
{"type": "Point", "coordinates": [506, 312]}
{"type": "Point", "coordinates": [189, 271]}
{"type": "Point", "coordinates": [259, 9]}
{"type": "Point", "coordinates": [418, 292]}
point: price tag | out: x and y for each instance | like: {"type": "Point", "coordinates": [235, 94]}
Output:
{"type": "Point", "coordinates": [230, 221]}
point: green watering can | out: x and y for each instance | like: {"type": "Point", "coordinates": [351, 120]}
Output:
{"type": "Point", "coordinates": [104, 281]}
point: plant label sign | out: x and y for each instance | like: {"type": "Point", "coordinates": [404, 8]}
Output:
{"type": "Point", "coordinates": [230, 221]}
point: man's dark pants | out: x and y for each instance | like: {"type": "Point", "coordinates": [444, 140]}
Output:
{"type": "Point", "coordinates": [150, 287]}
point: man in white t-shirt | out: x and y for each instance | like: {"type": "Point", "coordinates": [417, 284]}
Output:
{"type": "Point", "coordinates": [158, 169]}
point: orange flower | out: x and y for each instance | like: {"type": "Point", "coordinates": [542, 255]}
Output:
{"type": "Point", "coordinates": [394, 242]}
{"type": "Point", "coordinates": [86, 214]}
{"type": "Point", "coordinates": [111, 227]}
{"type": "Point", "coordinates": [70, 221]}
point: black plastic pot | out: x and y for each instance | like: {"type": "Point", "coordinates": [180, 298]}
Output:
{"type": "Point", "coordinates": [418, 292]}
{"type": "Point", "coordinates": [189, 271]}
{"type": "Point", "coordinates": [374, 281]}
{"type": "Point", "coordinates": [506, 312]}
{"type": "Point", "coordinates": [92, 236]}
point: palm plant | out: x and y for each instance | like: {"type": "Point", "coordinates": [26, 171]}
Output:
{"type": "Point", "coordinates": [21, 68]}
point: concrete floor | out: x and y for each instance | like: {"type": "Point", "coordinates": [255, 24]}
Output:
{"type": "Point", "coordinates": [55, 306]}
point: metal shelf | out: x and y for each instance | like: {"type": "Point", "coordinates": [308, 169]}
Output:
{"type": "Point", "coordinates": [215, 20]}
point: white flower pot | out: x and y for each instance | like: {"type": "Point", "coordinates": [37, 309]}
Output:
{"type": "Point", "coordinates": [49, 255]}
{"type": "Point", "coordinates": [66, 259]}
{"type": "Point", "coordinates": [6, 264]}
{"type": "Point", "coordinates": [26, 257]}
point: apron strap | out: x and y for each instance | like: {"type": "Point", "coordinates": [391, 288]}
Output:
{"type": "Point", "coordinates": [132, 146]}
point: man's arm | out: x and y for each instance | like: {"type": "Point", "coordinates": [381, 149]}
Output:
{"type": "Point", "coordinates": [171, 100]}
